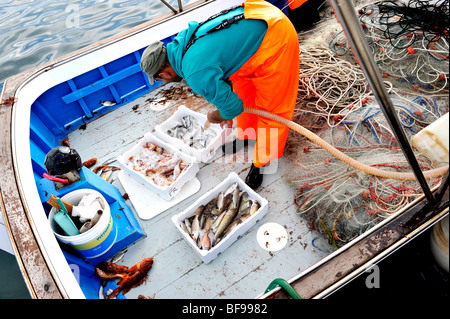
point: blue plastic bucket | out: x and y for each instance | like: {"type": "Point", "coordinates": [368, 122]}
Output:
{"type": "Point", "coordinates": [97, 240]}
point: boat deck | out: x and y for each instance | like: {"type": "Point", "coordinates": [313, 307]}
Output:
{"type": "Point", "coordinates": [245, 269]}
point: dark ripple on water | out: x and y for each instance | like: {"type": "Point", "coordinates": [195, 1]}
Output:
{"type": "Point", "coordinates": [33, 32]}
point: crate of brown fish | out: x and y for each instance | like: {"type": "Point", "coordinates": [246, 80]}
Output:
{"type": "Point", "coordinates": [219, 217]}
{"type": "Point", "coordinates": [159, 166]}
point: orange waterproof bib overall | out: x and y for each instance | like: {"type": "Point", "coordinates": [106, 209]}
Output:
{"type": "Point", "coordinates": [268, 81]}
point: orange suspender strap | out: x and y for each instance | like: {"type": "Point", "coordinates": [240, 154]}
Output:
{"type": "Point", "coordinates": [294, 4]}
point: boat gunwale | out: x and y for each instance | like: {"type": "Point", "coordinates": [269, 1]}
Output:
{"type": "Point", "coordinates": [386, 253]}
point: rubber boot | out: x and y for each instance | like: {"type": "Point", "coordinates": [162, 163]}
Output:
{"type": "Point", "coordinates": [254, 178]}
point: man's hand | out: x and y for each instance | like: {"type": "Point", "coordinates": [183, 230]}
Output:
{"type": "Point", "coordinates": [226, 124]}
{"type": "Point", "coordinates": [214, 117]}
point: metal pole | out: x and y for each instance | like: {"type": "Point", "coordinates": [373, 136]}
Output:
{"type": "Point", "coordinates": [180, 6]}
{"type": "Point", "coordinates": [346, 13]}
{"type": "Point", "coordinates": [169, 6]}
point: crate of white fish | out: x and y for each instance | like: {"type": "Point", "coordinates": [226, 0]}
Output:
{"type": "Point", "coordinates": [159, 166]}
{"type": "Point", "coordinates": [218, 218]}
{"type": "Point", "coordinates": [185, 130]}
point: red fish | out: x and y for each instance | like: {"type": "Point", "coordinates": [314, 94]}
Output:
{"type": "Point", "coordinates": [129, 277]}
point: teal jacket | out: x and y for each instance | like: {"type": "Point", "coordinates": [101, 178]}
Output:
{"type": "Point", "coordinates": [212, 59]}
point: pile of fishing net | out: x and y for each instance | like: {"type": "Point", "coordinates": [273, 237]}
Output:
{"type": "Point", "coordinates": [327, 83]}
{"type": "Point", "coordinates": [409, 42]}
{"type": "Point", "coordinates": [342, 202]}
{"type": "Point", "coordinates": [336, 103]}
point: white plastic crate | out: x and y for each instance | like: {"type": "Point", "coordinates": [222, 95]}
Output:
{"type": "Point", "coordinates": [208, 255]}
{"type": "Point", "coordinates": [166, 192]}
{"type": "Point", "coordinates": [204, 155]}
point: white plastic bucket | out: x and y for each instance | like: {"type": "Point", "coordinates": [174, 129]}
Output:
{"type": "Point", "coordinates": [97, 240]}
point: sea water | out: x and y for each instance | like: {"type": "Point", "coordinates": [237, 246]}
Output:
{"type": "Point", "coordinates": [34, 32]}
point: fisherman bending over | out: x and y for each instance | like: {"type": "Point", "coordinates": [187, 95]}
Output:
{"type": "Point", "coordinates": [246, 56]}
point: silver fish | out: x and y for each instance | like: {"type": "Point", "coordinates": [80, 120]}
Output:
{"type": "Point", "coordinates": [244, 210]}
{"type": "Point", "coordinates": [215, 211]}
{"type": "Point", "coordinates": [108, 103]}
{"type": "Point", "coordinates": [208, 222]}
{"type": "Point", "coordinates": [244, 201]}
{"type": "Point", "coordinates": [188, 225]}
{"type": "Point", "coordinates": [189, 130]}
{"type": "Point", "coordinates": [220, 198]}
{"type": "Point", "coordinates": [199, 240]}
{"type": "Point", "coordinates": [226, 220]}
{"type": "Point", "coordinates": [235, 198]}
{"type": "Point", "coordinates": [217, 221]}
{"type": "Point", "coordinates": [211, 205]}
{"type": "Point", "coordinates": [202, 220]}
{"type": "Point", "coordinates": [106, 175]}
{"type": "Point", "coordinates": [231, 188]}
{"type": "Point", "coordinates": [184, 228]}
{"type": "Point", "coordinates": [206, 240]}
{"type": "Point", "coordinates": [187, 121]}
{"type": "Point", "coordinates": [109, 161]}
{"type": "Point", "coordinates": [227, 199]}
{"type": "Point", "coordinates": [235, 223]}
{"type": "Point", "coordinates": [255, 207]}
{"type": "Point", "coordinates": [244, 205]}
{"type": "Point", "coordinates": [216, 241]}
{"type": "Point", "coordinates": [195, 228]}
{"type": "Point", "coordinates": [176, 171]}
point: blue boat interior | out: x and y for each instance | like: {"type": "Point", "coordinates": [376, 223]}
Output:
{"type": "Point", "coordinates": [67, 107]}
